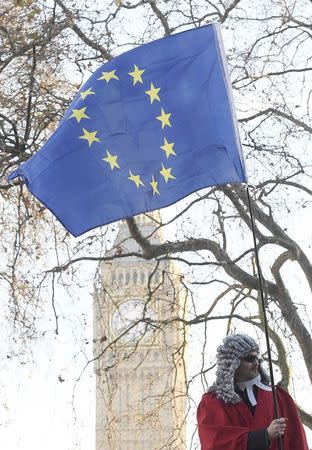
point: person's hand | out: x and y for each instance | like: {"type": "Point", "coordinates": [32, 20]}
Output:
{"type": "Point", "coordinates": [277, 428]}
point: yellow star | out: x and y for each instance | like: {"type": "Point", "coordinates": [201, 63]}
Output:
{"type": "Point", "coordinates": [79, 114]}
{"type": "Point", "coordinates": [164, 119]}
{"type": "Point", "coordinates": [85, 94]}
{"type": "Point", "coordinates": [137, 75]}
{"type": "Point", "coordinates": [153, 93]}
{"type": "Point", "coordinates": [154, 184]}
{"type": "Point", "coordinates": [89, 136]}
{"type": "Point", "coordinates": [166, 173]}
{"type": "Point", "coordinates": [111, 160]}
{"type": "Point", "coordinates": [168, 148]}
{"type": "Point", "coordinates": [108, 76]}
{"type": "Point", "coordinates": [135, 179]}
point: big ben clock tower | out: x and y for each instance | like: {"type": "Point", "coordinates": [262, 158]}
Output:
{"type": "Point", "coordinates": [139, 346]}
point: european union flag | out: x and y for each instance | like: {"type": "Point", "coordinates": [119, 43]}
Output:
{"type": "Point", "coordinates": [148, 128]}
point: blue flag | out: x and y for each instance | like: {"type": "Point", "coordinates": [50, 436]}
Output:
{"type": "Point", "coordinates": [148, 128]}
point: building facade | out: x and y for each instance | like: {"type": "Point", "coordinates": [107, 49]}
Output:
{"type": "Point", "coordinates": [139, 349]}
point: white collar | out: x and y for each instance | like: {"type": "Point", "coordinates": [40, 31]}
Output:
{"type": "Point", "coordinates": [249, 386]}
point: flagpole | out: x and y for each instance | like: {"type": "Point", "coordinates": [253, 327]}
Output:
{"type": "Point", "coordinates": [265, 321]}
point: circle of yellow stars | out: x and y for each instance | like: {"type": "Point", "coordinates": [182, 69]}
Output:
{"type": "Point", "coordinates": [111, 159]}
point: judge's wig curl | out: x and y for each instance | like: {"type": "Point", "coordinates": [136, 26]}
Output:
{"type": "Point", "coordinates": [229, 355]}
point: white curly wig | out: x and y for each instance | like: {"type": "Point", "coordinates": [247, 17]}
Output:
{"type": "Point", "coordinates": [229, 355]}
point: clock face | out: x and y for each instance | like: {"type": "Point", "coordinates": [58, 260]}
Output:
{"type": "Point", "coordinates": [126, 316]}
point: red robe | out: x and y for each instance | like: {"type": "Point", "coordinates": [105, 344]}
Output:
{"type": "Point", "coordinates": [223, 426]}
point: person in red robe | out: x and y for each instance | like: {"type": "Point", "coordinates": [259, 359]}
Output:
{"type": "Point", "coordinates": [237, 411]}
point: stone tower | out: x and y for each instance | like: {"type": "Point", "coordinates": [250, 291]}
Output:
{"type": "Point", "coordinates": [140, 370]}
